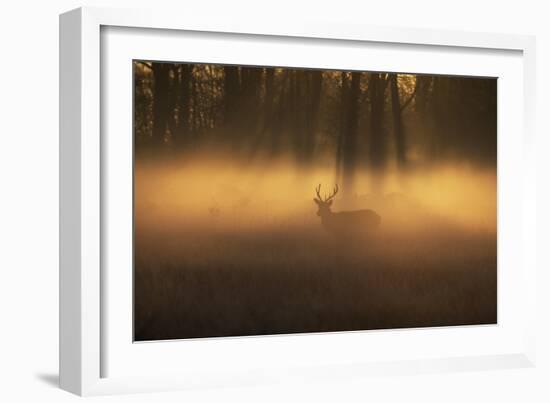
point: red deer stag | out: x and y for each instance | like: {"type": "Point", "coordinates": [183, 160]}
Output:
{"type": "Point", "coordinates": [344, 222]}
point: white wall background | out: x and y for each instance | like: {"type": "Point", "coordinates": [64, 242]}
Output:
{"type": "Point", "coordinates": [29, 201]}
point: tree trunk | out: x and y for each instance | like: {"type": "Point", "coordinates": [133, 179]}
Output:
{"type": "Point", "coordinates": [184, 102]}
{"type": "Point", "coordinates": [280, 121]}
{"type": "Point", "coordinates": [231, 96]}
{"type": "Point", "coordinates": [173, 84]}
{"type": "Point", "coordinates": [343, 117]}
{"type": "Point", "coordinates": [161, 89]}
{"type": "Point", "coordinates": [377, 149]}
{"type": "Point", "coordinates": [314, 81]}
{"type": "Point", "coordinates": [350, 141]}
{"type": "Point", "coordinates": [269, 99]}
{"type": "Point", "coordinates": [398, 131]}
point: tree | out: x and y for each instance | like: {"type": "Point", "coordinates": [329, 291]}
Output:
{"type": "Point", "coordinates": [349, 150]}
{"type": "Point", "coordinates": [232, 90]}
{"type": "Point", "coordinates": [280, 115]}
{"type": "Point", "coordinates": [249, 108]}
{"type": "Point", "coordinates": [269, 77]}
{"type": "Point", "coordinates": [343, 113]}
{"type": "Point", "coordinates": [161, 101]}
{"type": "Point", "coordinates": [311, 100]}
{"type": "Point", "coordinates": [183, 99]}
{"type": "Point", "coordinates": [397, 120]}
{"type": "Point", "coordinates": [143, 115]}
{"type": "Point", "coordinates": [377, 143]}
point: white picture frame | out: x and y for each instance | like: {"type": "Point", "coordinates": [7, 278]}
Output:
{"type": "Point", "coordinates": [86, 345]}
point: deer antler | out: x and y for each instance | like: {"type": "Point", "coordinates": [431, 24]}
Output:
{"type": "Point", "coordinates": [326, 198]}
{"type": "Point", "coordinates": [318, 191]}
{"type": "Point", "coordinates": [333, 194]}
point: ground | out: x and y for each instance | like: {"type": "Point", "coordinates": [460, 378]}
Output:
{"type": "Point", "coordinates": [287, 279]}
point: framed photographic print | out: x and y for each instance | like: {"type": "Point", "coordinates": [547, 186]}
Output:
{"type": "Point", "coordinates": [234, 237]}
{"type": "Point", "coordinates": [250, 202]}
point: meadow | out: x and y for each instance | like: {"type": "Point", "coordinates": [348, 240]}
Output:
{"type": "Point", "coordinates": [227, 251]}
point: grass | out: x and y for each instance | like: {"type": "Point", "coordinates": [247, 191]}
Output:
{"type": "Point", "coordinates": [294, 279]}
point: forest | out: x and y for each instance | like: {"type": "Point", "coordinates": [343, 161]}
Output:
{"type": "Point", "coordinates": [255, 190]}
{"type": "Point", "coordinates": [356, 120]}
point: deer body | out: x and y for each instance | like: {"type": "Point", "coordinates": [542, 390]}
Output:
{"type": "Point", "coordinates": [345, 222]}
{"type": "Point", "coordinates": [350, 221]}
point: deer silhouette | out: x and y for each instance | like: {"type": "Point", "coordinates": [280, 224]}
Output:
{"type": "Point", "coordinates": [344, 222]}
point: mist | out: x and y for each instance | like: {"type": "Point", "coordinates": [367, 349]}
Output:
{"type": "Point", "coordinates": [222, 193]}
{"type": "Point", "coordinates": [241, 244]}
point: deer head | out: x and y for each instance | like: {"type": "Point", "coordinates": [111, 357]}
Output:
{"type": "Point", "coordinates": [324, 203]}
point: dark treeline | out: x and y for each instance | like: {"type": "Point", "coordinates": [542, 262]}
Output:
{"type": "Point", "coordinates": [359, 119]}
